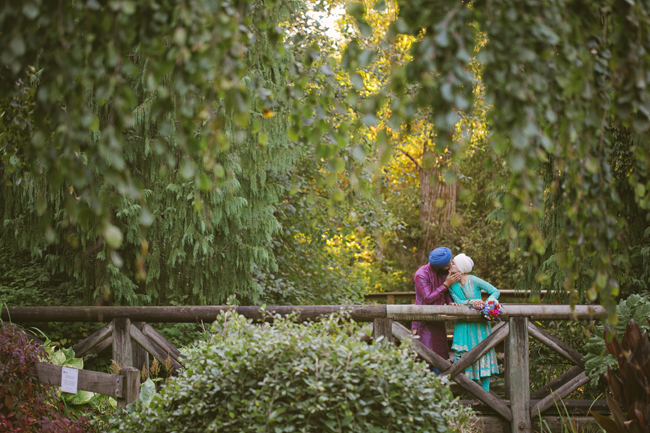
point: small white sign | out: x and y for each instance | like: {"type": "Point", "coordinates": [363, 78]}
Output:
{"type": "Point", "coordinates": [69, 380]}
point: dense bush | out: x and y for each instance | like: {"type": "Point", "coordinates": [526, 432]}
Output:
{"type": "Point", "coordinates": [298, 377]}
{"type": "Point", "coordinates": [597, 358]}
{"type": "Point", "coordinates": [27, 405]}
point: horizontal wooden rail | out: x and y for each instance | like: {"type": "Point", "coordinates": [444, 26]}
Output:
{"type": "Point", "coordinates": [390, 297]}
{"type": "Point", "coordinates": [125, 387]}
{"type": "Point", "coordinates": [359, 313]}
{"type": "Point", "coordinates": [445, 313]}
{"type": "Point", "coordinates": [184, 314]}
{"type": "Point", "coordinates": [93, 381]}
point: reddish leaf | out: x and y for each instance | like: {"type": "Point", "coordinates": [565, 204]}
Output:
{"type": "Point", "coordinates": [617, 413]}
{"type": "Point", "coordinates": [607, 423]}
{"type": "Point", "coordinates": [611, 343]}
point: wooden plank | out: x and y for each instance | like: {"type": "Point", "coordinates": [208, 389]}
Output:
{"type": "Point", "coordinates": [575, 407]}
{"type": "Point", "coordinates": [140, 356]}
{"type": "Point", "coordinates": [161, 341]}
{"type": "Point", "coordinates": [82, 348]}
{"type": "Point", "coordinates": [496, 424]}
{"type": "Point", "coordinates": [560, 393]}
{"type": "Point", "coordinates": [122, 349]}
{"type": "Point", "coordinates": [556, 344]}
{"type": "Point", "coordinates": [93, 381]}
{"type": "Point", "coordinates": [556, 383]}
{"type": "Point", "coordinates": [506, 369]}
{"type": "Point", "coordinates": [401, 333]}
{"type": "Point", "coordinates": [506, 292]}
{"type": "Point", "coordinates": [438, 313]}
{"type": "Point", "coordinates": [186, 314]}
{"type": "Point", "coordinates": [131, 386]}
{"type": "Point", "coordinates": [363, 336]}
{"type": "Point", "coordinates": [101, 346]}
{"type": "Point", "coordinates": [383, 328]}
{"type": "Point", "coordinates": [152, 348]}
{"type": "Point", "coordinates": [359, 313]}
{"type": "Point", "coordinates": [519, 376]}
{"type": "Point", "coordinates": [497, 336]}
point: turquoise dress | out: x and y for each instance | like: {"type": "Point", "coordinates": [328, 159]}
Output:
{"type": "Point", "coordinates": [468, 334]}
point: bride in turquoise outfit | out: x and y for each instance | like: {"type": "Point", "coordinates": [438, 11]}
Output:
{"type": "Point", "coordinates": [467, 335]}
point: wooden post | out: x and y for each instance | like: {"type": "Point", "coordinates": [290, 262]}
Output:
{"type": "Point", "coordinates": [122, 348]}
{"type": "Point", "coordinates": [506, 368]}
{"type": "Point", "coordinates": [390, 299]}
{"type": "Point", "coordinates": [519, 378]}
{"type": "Point", "coordinates": [383, 328]}
{"type": "Point", "coordinates": [140, 355]}
{"type": "Point", "coordinates": [131, 386]}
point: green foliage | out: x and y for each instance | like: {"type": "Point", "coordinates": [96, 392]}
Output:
{"type": "Point", "coordinates": [26, 281]}
{"type": "Point", "coordinates": [290, 376]}
{"type": "Point", "coordinates": [629, 396]}
{"type": "Point", "coordinates": [156, 183]}
{"type": "Point", "coordinates": [597, 360]}
{"type": "Point", "coordinates": [557, 82]}
{"type": "Point", "coordinates": [330, 257]}
{"type": "Point", "coordinates": [546, 364]}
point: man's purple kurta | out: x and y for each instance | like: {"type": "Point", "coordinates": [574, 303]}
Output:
{"type": "Point", "coordinates": [430, 291]}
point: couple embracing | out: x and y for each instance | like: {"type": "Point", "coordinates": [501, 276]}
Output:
{"type": "Point", "coordinates": [447, 281]}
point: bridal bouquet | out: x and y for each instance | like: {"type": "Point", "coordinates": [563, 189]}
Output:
{"type": "Point", "coordinates": [491, 311]}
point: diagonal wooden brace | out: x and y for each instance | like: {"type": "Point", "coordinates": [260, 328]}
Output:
{"type": "Point", "coordinates": [87, 345]}
{"type": "Point", "coordinates": [161, 341]}
{"type": "Point", "coordinates": [401, 333]}
{"type": "Point", "coordinates": [152, 348]}
{"type": "Point", "coordinates": [499, 334]}
{"type": "Point", "coordinates": [554, 343]}
{"type": "Point", "coordinates": [559, 394]}
{"type": "Point", "coordinates": [556, 383]}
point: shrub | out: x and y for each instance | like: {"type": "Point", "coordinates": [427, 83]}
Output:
{"type": "Point", "coordinates": [597, 359]}
{"type": "Point", "coordinates": [302, 377]}
{"type": "Point", "coordinates": [629, 398]}
{"type": "Point", "coordinates": [27, 405]}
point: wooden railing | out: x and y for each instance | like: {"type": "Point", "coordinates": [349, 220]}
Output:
{"type": "Point", "coordinates": [409, 296]}
{"type": "Point", "coordinates": [124, 387]}
{"type": "Point", "coordinates": [132, 339]}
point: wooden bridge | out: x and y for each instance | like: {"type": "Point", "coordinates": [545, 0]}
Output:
{"type": "Point", "coordinates": [132, 340]}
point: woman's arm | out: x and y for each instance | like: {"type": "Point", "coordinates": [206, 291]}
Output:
{"type": "Point", "coordinates": [456, 297]}
{"type": "Point", "coordinates": [489, 288]}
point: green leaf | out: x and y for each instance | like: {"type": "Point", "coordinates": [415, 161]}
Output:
{"type": "Point", "coordinates": [147, 392]}
{"type": "Point", "coordinates": [77, 363]}
{"type": "Point", "coordinates": [82, 397]}
{"type": "Point", "coordinates": [57, 358]}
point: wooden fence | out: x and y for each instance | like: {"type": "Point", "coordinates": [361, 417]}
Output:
{"type": "Point", "coordinates": [409, 297]}
{"type": "Point", "coordinates": [124, 387]}
{"type": "Point", "coordinates": [132, 340]}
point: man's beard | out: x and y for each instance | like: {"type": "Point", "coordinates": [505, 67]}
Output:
{"type": "Point", "coordinates": [441, 272]}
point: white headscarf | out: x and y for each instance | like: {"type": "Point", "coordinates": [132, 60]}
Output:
{"type": "Point", "coordinates": [464, 263]}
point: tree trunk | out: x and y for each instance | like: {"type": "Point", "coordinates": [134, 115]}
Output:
{"type": "Point", "coordinates": [436, 211]}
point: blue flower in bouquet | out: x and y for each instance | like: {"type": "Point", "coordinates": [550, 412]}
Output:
{"type": "Point", "coordinates": [491, 311]}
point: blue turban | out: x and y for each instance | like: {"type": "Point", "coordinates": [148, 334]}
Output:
{"type": "Point", "coordinates": [440, 257]}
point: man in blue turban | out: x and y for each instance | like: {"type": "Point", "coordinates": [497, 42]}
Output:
{"type": "Point", "coordinates": [432, 283]}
